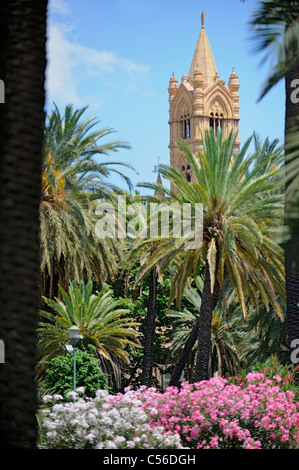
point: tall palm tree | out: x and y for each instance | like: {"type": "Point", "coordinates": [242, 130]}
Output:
{"type": "Point", "coordinates": [69, 246]}
{"type": "Point", "coordinates": [275, 26]}
{"type": "Point", "coordinates": [134, 252]}
{"type": "Point", "coordinates": [150, 331]}
{"type": "Point", "coordinates": [240, 208]}
{"type": "Point", "coordinates": [22, 65]}
{"type": "Point", "coordinates": [74, 145]}
{"type": "Point", "coordinates": [73, 180]}
{"type": "Point", "coordinates": [102, 319]}
{"type": "Point", "coordinates": [265, 149]}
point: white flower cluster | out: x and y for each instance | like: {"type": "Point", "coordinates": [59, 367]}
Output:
{"type": "Point", "coordinates": [106, 422]}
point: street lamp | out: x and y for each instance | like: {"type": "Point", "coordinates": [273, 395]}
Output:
{"type": "Point", "coordinates": [74, 334]}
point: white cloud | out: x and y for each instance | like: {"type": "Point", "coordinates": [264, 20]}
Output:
{"type": "Point", "coordinates": [78, 74]}
{"type": "Point", "coordinates": [58, 6]}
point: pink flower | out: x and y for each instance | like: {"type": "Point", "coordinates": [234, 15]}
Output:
{"type": "Point", "coordinates": [277, 378]}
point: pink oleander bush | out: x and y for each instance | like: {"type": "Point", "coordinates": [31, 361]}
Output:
{"type": "Point", "coordinates": [218, 414]}
{"type": "Point", "coordinates": [256, 414]}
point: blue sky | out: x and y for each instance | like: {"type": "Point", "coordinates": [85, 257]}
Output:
{"type": "Point", "coordinates": [117, 57]}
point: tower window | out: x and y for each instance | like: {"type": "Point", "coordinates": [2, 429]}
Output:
{"type": "Point", "coordinates": [216, 122]}
{"type": "Point", "coordinates": [186, 127]}
{"type": "Point", "coordinates": [186, 170]}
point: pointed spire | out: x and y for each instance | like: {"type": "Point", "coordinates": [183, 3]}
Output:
{"type": "Point", "coordinates": [159, 181]}
{"type": "Point", "coordinates": [233, 83]}
{"type": "Point", "coordinates": [234, 86]}
{"type": "Point", "coordinates": [203, 57]}
{"type": "Point", "coordinates": [184, 78]}
{"type": "Point", "coordinates": [173, 83]}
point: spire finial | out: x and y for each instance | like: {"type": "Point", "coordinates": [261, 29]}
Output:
{"type": "Point", "coordinates": [203, 14]}
{"type": "Point", "coordinates": [155, 170]}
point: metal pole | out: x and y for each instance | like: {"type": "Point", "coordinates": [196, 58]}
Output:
{"type": "Point", "coordinates": [74, 369]}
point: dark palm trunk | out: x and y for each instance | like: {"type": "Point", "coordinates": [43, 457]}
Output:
{"type": "Point", "coordinates": [292, 246]}
{"type": "Point", "coordinates": [202, 332]}
{"type": "Point", "coordinates": [208, 303]}
{"type": "Point", "coordinates": [183, 358]}
{"type": "Point", "coordinates": [148, 356]}
{"type": "Point", "coordinates": [22, 67]}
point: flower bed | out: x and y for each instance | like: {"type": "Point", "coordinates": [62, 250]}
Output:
{"type": "Point", "coordinates": [205, 415]}
{"type": "Point", "coordinates": [101, 423]}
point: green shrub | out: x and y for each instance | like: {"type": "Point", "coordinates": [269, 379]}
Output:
{"type": "Point", "coordinates": [59, 374]}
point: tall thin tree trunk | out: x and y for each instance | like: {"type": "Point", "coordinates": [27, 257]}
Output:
{"type": "Point", "coordinates": [208, 303]}
{"type": "Point", "coordinates": [22, 67]}
{"type": "Point", "coordinates": [148, 356]}
{"type": "Point", "coordinates": [292, 246]}
{"type": "Point", "coordinates": [183, 358]}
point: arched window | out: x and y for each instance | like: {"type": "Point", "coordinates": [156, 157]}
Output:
{"type": "Point", "coordinates": [186, 170]}
{"type": "Point", "coordinates": [216, 122]}
{"type": "Point", "coordinates": [186, 126]}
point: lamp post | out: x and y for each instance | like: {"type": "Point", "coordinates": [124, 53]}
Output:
{"type": "Point", "coordinates": [74, 334]}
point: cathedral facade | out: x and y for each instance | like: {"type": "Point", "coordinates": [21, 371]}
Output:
{"type": "Point", "coordinates": [201, 102]}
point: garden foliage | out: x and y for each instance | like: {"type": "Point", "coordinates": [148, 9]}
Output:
{"type": "Point", "coordinates": [59, 374]}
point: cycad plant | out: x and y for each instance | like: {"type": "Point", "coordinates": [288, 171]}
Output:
{"type": "Point", "coordinates": [240, 208]}
{"type": "Point", "coordinates": [103, 322]}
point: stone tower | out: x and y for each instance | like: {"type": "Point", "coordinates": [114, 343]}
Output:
{"type": "Point", "coordinates": [200, 102]}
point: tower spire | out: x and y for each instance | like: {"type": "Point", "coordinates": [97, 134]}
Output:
{"type": "Point", "coordinates": [203, 58]}
{"type": "Point", "coordinates": [159, 179]}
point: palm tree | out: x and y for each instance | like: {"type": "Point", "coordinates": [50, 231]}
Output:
{"type": "Point", "coordinates": [103, 322]}
{"type": "Point", "coordinates": [22, 65]}
{"type": "Point", "coordinates": [265, 149]}
{"type": "Point", "coordinates": [223, 347]}
{"type": "Point", "coordinates": [148, 355]}
{"type": "Point", "coordinates": [142, 249]}
{"type": "Point", "coordinates": [275, 26]}
{"type": "Point", "coordinates": [74, 146]}
{"type": "Point", "coordinates": [226, 335]}
{"type": "Point", "coordinates": [72, 183]}
{"type": "Point", "coordinates": [134, 252]}
{"type": "Point", "coordinates": [240, 208]}
{"type": "Point", "coordinates": [69, 246]}
{"type": "Point", "coordinates": [265, 336]}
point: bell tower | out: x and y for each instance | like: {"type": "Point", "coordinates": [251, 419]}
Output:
{"type": "Point", "coordinates": [201, 102]}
